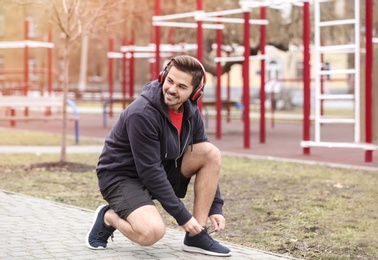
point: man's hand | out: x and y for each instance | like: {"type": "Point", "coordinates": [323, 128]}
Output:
{"type": "Point", "coordinates": [192, 226]}
{"type": "Point", "coordinates": [218, 222]}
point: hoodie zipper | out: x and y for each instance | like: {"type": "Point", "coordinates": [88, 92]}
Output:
{"type": "Point", "coordinates": [186, 141]}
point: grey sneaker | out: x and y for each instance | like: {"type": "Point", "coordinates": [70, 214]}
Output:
{"type": "Point", "coordinates": [99, 233]}
{"type": "Point", "coordinates": [203, 243]}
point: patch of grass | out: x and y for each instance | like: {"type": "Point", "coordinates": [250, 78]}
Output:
{"type": "Point", "coordinates": [308, 211]}
{"type": "Point", "coordinates": [300, 210]}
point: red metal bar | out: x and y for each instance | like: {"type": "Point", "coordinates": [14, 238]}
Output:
{"type": "Point", "coordinates": [246, 97]}
{"type": "Point", "coordinates": [49, 63]}
{"type": "Point", "coordinates": [200, 43]}
{"type": "Point", "coordinates": [306, 76]}
{"type": "Point", "coordinates": [151, 63]}
{"type": "Point", "coordinates": [262, 75]}
{"type": "Point", "coordinates": [26, 58]}
{"type": "Point", "coordinates": [218, 131]}
{"type": "Point", "coordinates": [49, 70]}
{"type": "Point", "coordinates": [110, 77]}
{"type": "Point", "coordinates": [228, 92]}
{"type": "Point", "coordinates": [132, 67]}
{"type": "Point", "coordinates": [157, 40]}
{"type": "Point", "coordinates": [369, 79]}
{"type": "Point", "coordinates": [124, 43]}
{"type": "Point", "coordinates": [26, 65]}
{"type": "Point", "coordinates": [13, 114]}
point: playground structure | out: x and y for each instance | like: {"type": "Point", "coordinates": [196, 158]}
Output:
{"type": "Point", "coordinates": [19, 97]}
{"type": "Point", "coordinates": [24, 86]}
{"type": "Point", "coordinates": [217, 17]}
{"type": "Point", "coordinates": [156, 50]}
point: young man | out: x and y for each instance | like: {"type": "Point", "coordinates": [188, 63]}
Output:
{"type": "Point", "coordinates": [156, 146]}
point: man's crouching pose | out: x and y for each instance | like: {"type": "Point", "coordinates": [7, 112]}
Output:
{"type": "Point", "coordinates": [156, 146]}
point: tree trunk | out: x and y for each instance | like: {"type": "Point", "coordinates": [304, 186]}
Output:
{"type": "Point", "coordinates": [66, 68]}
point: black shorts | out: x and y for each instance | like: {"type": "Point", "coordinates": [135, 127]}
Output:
{"type": "Point", "coordinates": [126, 196]}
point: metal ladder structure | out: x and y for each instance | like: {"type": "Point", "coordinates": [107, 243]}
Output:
{"type": "Point", "coordinates": [351, 48]}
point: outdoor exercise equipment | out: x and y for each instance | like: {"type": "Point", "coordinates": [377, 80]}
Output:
{"type": "Point", "coordinates": [354, 49]}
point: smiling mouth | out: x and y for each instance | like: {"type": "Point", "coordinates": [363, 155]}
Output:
{"type": "Point", "coordinates": [170, 96]}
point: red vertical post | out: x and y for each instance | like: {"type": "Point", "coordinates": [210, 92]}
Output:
{"type": "Point", "coordinates": [157, 40]}
{"type": "Point", "coordinates": [306, 76]}
{"type": "Point", "coordinates": [49, 64]}
{"type": "Point", "coordinates": [228, 92]}
{"type": "Point", "coordinates": [369, 79]}
{"type": "Point", "coordinates": [12, 114]}
{"type": "Point", "coordinates": [110, 76]}
{"type": "Point", "coordinates": [262, 75]}
{"type": "Point", "coordinates": [26, 58]}
{"type": "Point", "coordinates": [246, 97]}
{"type": "Point", "coordinates": [151, 63]}
{"type": "Point", "coordinates": [26, 64]}
{"type": "Point", "coordinates": [132, 67]}
{"type": "Point", "coordinates": [124, 43]}
{"type": "Point", "coordinates": [200, 42]}
{"type": "Point", "coordinates": [218, 131]}
{"type": "Point", "coordinates": [49, 69]}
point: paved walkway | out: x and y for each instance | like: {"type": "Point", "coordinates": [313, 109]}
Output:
{"type": "Point", "coordinates": [33, 228]}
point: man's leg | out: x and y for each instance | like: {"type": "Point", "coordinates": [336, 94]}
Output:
{"type": "Point", "coordinates": [144, 225]}
{"type": "Point", "coordinates": [204, 162]}
{"type": "Point", "coordinates": [131, 211]}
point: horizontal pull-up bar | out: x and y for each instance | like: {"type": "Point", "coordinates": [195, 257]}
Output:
{"type": "Point", "coordinates": [238, 58]}
{"type": "Point", "coordinates": [235, 20]}
{"type": "Point", "coordinates": [27, 43]}
{"type": "Point", "coordinates": [188, 25]}
{"type": "Point", "coordinates": [272, 3]}
{"type": "Point", "coordinates": [163, 48]}
{"type": "Point", "coordinates": [174, 16]}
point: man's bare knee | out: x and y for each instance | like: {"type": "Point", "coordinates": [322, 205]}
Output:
{"type": "Point", "coordinates": [214, 155]}
{"type": "Point", "coordinates": [204, 155]}
{"type": "Point", "coordinates": [151, 236]}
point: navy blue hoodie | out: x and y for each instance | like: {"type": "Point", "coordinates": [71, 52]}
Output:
{"type": "Point", "coordinates": [143, 139]}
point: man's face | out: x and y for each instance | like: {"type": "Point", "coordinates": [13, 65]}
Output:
{"type": "Point", "coordinates": [177, 88]}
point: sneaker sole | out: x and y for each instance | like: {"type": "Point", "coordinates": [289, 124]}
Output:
{"type": "Point", "coordinates": [192, 249]}
{"type": "Point", "coordinates": [93, 222]}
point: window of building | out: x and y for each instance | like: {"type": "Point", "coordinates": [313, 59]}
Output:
{"type": "Point", "coordinates": [1, 64]}
{"type": "Point", "coordinates": [299, 69]}
{"type": "Point", "coordinates": [327, 66]}
{"type": "Point", "coordinates": [32, 63]}
{"type": "Point", "coordinates": [2, 25]}
{"type": "Point", "coordinates": [32, 30]}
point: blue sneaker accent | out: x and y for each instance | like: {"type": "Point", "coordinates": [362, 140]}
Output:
{"type": "Point", "coordinates": [99, 233]}
{"type": "Point", "coordinates": [203, 243]}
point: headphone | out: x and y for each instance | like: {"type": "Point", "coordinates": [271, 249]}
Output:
{"type": "Point", "coordinates": [198, 91]}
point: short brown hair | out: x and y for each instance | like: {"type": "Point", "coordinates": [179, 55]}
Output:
{"type": "Point", "coordinates": [190, 65]}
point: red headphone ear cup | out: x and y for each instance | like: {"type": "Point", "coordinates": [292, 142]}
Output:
{"type": "Point", "coordinates": [197, 93]}
{"type": "Point", "coordinates": [162, 76]}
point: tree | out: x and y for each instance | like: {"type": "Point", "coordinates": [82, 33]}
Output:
{"type": "Point", "coordinates": [77, 18]}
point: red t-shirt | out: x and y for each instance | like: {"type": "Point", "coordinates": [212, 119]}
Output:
{"type": "Point", "coordinates": [176, 118]}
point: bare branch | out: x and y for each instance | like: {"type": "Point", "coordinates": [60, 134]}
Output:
{"type": "Point", "coordinates": [58, 20]}
{"type": "Point", "coordinates": [64, 4]}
